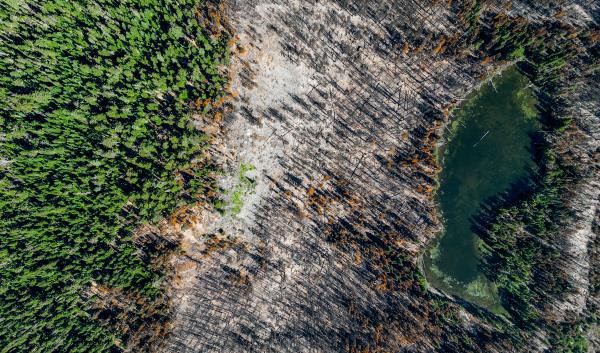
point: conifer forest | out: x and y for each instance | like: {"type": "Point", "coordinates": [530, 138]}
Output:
{"type": "Point", "coordinates": [183, 176]}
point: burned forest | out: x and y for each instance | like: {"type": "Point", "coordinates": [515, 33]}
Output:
{"type": "Point", "coordinates": [340, 106]}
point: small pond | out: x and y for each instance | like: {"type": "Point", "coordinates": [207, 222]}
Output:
{"type": "Point", "coordinates": [487, 149]}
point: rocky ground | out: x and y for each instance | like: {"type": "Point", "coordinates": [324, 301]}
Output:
{"type": "Point", "coordinates": [336, 108]}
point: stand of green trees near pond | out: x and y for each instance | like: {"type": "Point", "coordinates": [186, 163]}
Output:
{"type": "Point", "coordinates": [519, 234]}
{"type": "Point", "coordinates": [96, 139]}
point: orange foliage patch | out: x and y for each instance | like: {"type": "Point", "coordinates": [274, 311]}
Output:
{"type": "Point", "coordinates": [406, 48]}
{"type": "Point", "coordinates": [440, 46]}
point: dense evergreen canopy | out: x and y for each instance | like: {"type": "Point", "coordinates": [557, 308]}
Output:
{"type": "Point", "coordinates": [95, 128]}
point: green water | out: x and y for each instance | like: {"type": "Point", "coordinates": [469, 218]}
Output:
{"type": "Point", "coordinates": [487, 151]}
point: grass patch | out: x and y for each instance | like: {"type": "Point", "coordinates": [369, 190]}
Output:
{"type": "Point", "coordinates": [243, 187]}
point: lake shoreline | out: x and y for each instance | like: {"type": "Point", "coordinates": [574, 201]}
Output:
{"type": "Point", "coordinates": [475, 288]}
